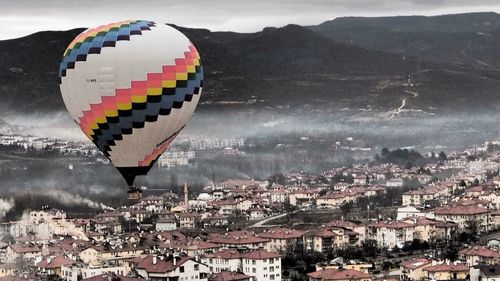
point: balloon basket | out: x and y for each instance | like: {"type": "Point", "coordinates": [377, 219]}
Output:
{"type": "Point", "coordinates": [134, 193]}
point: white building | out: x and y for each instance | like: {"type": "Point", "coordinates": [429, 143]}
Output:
{"type": "Point", "coordinates": [260, 264]}
{"type": "Point", "coordinates": [154, 267]}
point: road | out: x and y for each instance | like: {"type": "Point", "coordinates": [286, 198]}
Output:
{"type": "Point", "coordinates": [398, 110]}
{"type": "Point", "coordinates": [264, 221]}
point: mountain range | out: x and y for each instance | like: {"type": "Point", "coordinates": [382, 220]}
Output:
{"type": "Point", "coordinates": [365, 63]}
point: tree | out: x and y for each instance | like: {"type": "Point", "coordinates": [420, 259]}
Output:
{"type": "Point", "coordinates": [20, 263]}
{"type": "Point", "coordinates": [346, 208]}
{"type": "Point", "coordinates": [451, 253]}
{"type": "Point", "coordinates": [385, 152]}
{"type": "Point", "coordinates": [471, 229]}
{"type": "Point", "coordinates": [442, 157]}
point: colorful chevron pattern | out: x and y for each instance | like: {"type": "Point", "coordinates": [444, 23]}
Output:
{"type": "Point", "coordinates": [93, 40]}
{"type": "Point", "coordinates": [144, 101]}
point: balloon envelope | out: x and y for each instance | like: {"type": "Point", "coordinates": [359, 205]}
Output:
{"type": "Point", "coordinates": [131, 86]}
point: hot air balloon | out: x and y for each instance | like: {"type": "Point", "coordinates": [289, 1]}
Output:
{"type": "Point", "coordinates": [131, 86]}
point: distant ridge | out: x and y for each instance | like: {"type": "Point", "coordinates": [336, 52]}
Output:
{"type": "Point", "coordinates": [346, 62]}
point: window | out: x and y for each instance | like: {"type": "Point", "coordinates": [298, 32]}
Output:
{"type": "Point", "coordinates": [196, 267]}
{"type": "Point", "coordinates": [181, 269]}
{"type": "Point", "coordinates": [254, 270]}
{"type": "Point", "coordinates": [271, 277]}
{"type": "Point", "coordinates": [254, 262]}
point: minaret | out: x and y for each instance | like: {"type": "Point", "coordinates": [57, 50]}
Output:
{"type": "Point", "coordinates": [186, 196]}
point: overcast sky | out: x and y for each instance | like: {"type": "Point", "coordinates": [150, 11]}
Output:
{"type": "Point", "coordinates": [23, 17]}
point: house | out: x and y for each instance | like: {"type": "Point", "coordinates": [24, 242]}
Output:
{"type": "Point", "coordinates": [395, 182]}
{"type": "Point", "coordinates": [16, 251]}
{"type": "Point", "coordinates": [299, 197]}
{"type": "Point", "coordinates": [412, 269]}
{"type": "Point", "coordinates": [446, 271]}
{"type": "Point", "coordinates": [77, 271]}
{"type": "Point", "coordinates": [188, 220]}
{"type": "Point", "coordinates": [256, 213]}
{"type": "Point", "coordinates": [153, 267]}
{"type": "Point", "coordinates": [224, 260]}
{"type": "Point", "coordinates": [339, 275]}
{"type": "Point", "coordinates": [112, 277]}
{"type": "Point", "coordinates": [480, 255]}
{"type": "Point", "coordinates": [424, 228]}
{"type": "Point", "coordinates": [485, 272]}
{"type": "Point", "coordinates": [339, 263]}
{"type": "Point", "coordinates": [166, 224]}
{"type": "Point", "coordinates": [52, 265]}
{"type": "Point", "coordinates": [279, 196]}
{"type": "Point", "coordinates": [356, 233]}
{"type": "Point", "coordinates": [7, 269]}
{"type": "Point", "coordinates": [98, 254]}
{"type": "Point", "coordinates": [494, 242]}
{"type": "Point", "coordinates": [282, 238]}
{"type": "Point", "coordinates": [239, 239]}
{"type": "Point", "coordinates": [390, 233]}
{"type": "Point", "coordinates": [198, 247]}
{"type": "Point", "coordinates": [262, 265]}
{"type": "Point", "coordinates": [324, 240]}
{"type": "Point", "coordinates": [465, 216]}
{"type": "Point", "coordinates": [409, 212]}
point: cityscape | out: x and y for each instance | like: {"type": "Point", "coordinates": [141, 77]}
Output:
{"type": "Point", "coordinates": [283, 140]}
{"type": "Point", "coordinates": [375, 221]}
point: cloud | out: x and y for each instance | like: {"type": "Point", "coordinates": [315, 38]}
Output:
{"type": "Point", "coordinates": [22, 17]}
{"type": "Point", "coordinates": [5, 206]}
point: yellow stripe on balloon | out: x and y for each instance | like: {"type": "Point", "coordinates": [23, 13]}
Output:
{"type": "Point", "coordinates": [181, 76]}
{"type": "Point", "coordinates": [111, 113]}
{"type": "Point", "coordinates": [154, 91]}
{"type": "Point", "coordinates": [139, 99]}
{"type": "Point", "coordinates": [169, 83]}
{"type": "Point", "coordinates": [124, 106]}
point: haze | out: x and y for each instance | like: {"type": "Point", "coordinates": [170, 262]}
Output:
{"type": "Point", "coordinates": [20, 18]}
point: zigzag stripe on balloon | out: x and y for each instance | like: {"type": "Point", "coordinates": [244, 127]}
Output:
{"type": "Point", "coordinates": [150, 158]}
{"type": "Point", "coordinates": [143, 101]}
{"type": "Point", "coordinates": [93, 40]}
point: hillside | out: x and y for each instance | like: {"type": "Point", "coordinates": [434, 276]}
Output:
{"type": "Point", "coordinates": [463, 39]}
{"type": "Point", "coordinates": [290, 67]}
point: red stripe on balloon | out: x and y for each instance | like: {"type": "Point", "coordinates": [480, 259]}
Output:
{"type": "Point", "coordinates": [157, 151]}
{"type": "Point", "coordinates": [88, 121]}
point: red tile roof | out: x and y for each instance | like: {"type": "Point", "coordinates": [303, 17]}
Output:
{"type": "Point", "coordinates": [460, 210]}
{"type": "Point", "coordinates": [343, 224]}
{"type": "Point", "coordinates": [282, 233]}
{"type": "Point", "coordinates": [390, 224]}
{"type": "Point", "coordinates": [260, 255]}
{"type": "Point", "coordinates": [24, 249]}
{"type": "Point", "coordinates": [162, 265]}
{"type": "Point", "coordinates": [416, 263]}
{"type": "Point", "coordinates": [339, 274]}
{"type": "Point", "coordinates": [55, 262]}
{"type": "Point", "coordinates": [325, 233]}
{"type": "Point", "coordinates": [225, 254]}
{"type": "Point", "coordinates": [236, 238]}
{"type": "Point", "coordinates": [229, 276]}
{"type": "Point", "coordinates": [114, 277]}
{"type": "Point", "coordinates": [447, 267]}
{"type": "Point", "coordinates": [481, 251]}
